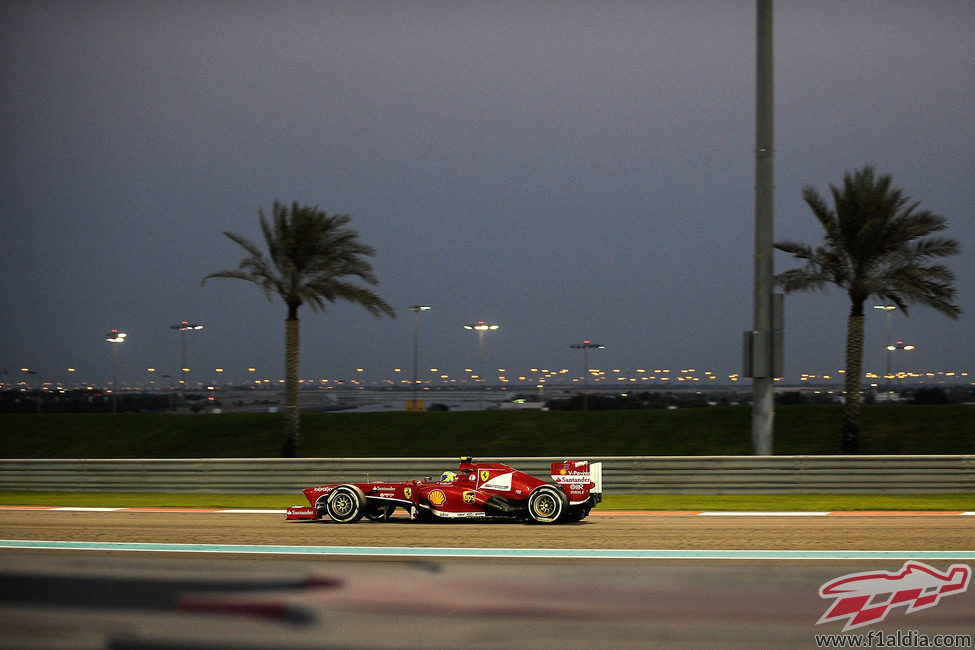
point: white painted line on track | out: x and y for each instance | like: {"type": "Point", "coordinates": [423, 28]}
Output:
{"type": "Point", "coordinates": [732, 513]}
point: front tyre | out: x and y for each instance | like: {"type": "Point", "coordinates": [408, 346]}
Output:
{"type": "Point", "coordinates": [346, 504]}
{"type": "Point", "coordinates": [547, 504]}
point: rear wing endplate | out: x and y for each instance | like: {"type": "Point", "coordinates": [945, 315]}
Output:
{"type": "Point", "coordinates": [570, 472]}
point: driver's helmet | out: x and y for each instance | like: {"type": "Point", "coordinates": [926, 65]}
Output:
{"type": "Point", "coordinates": [448, 476]}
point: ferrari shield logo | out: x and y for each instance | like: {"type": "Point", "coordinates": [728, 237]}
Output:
{"type": "Point", "coordinates": [485, 475]}
{"type": "Point", "coordinates": [407, 493]}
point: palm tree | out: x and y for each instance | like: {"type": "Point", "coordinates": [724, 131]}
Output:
{"type": "Point", "coordinates": [311, 259]}
{"type": "Point", "coordinates": [877, 243]}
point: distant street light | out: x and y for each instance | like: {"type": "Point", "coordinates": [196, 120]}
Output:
{"type": "Point", "coordinates": [40, 387]}
{"type": "Point", "coordinates": [900, 345]}
{"type": "Point", "coordinates": [183, 327]}
{"type": "Point", "coordinates": [481, 327]}
{"type": "Point", "coordinates": [585, 346]}
{"type": "Point", "coordinates": [416, 309]}
{"type": "Point", "coordinates": [115, 337]}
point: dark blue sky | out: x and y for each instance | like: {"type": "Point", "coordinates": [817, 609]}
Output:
{"type": "Point", "coordinates": [568, 170]}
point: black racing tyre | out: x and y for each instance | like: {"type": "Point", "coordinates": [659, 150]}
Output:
{"type": "Point", "coordinates": [547, 504]}
{"type": "Point", "coordinates": [346, 504]}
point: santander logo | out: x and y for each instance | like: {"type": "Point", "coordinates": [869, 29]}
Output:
{"type": "Point", "coordinates": [866, 598]}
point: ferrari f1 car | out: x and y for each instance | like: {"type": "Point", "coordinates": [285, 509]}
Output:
{"type": "Point", "coordinates": [490, 491]}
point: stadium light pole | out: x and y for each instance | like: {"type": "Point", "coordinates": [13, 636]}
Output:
{"type": "Point", "coordinates": [416, 309]}
{"type": "Point", "coordinates": [888, 309]}
{"type": "Point", "coordinates": [115, 337]}
{"type": "Point", "coordinates": [481, 327]}
{"type": "Point", "coordinates": [585, 346]}
{"type": "Point", "coordinates": [183, 327]}
{"type": "Point", "coordinates": [763, 344]}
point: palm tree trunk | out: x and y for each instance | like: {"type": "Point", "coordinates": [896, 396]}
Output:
{"type": "Point", "coordinates": [291, 412]}
{"type": "Point", "coordinates": [850, 436]}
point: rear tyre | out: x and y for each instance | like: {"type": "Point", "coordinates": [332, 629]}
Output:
{"type": "Point", "coordinates": [547, 504]}
{"type": "Point", "coordinates": [346, 504]}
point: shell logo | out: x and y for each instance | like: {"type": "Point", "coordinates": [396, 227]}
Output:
{"type": "Point", "coordinates": [437, 498]}
{"type": "Point", "coordinates": [563, 471]}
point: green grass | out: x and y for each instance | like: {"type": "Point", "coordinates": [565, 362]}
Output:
{"type": "Point", "coordinates": [799, 429]}
{"type": "Point", "coordinates": [744, 502]}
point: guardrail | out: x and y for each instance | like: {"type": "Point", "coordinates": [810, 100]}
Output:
{"type": "Point", "coordinates": [621, 474]}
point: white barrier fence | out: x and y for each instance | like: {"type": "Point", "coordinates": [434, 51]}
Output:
{"type": "Point", "coordinates": [621, 474]}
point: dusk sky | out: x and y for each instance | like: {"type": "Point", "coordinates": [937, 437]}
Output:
{"type": "Point", "coordinates": [568, 170]}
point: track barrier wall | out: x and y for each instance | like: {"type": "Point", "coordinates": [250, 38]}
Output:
{"type": "Point", "coordinates": [621, 474]}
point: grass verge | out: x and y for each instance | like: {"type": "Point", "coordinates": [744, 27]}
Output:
{"type": "Point", "coordinates": [691, 502]}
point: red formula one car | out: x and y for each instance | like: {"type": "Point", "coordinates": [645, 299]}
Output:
{"type": "Point", "coordinates": [475, 491]}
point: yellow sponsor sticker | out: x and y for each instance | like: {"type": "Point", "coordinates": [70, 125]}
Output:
{"type": "Point", "coordinates": [437, 497]}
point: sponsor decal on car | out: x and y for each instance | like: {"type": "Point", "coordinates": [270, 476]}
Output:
{"type": "Point", "coordinates": [437, 498]}
{"type": "Point", "coordinates": [407, 492]}
{"type": "Point", "coordinates": [566, 477]}
{"type": "Point", "coordinates": [459, 515]}
{"type": "Point", "coordinates": [501, 482]}
{"type": "Point", "coordinates": [301, 512]}
{"type": "Point", "coordinates": [469, 497]}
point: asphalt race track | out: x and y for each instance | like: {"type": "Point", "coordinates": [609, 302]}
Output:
{"type": "Point", "coordinates": [159, 598]}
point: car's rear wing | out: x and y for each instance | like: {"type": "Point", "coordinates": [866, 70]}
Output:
{"type": "Point", "coordinates": [579, 478]}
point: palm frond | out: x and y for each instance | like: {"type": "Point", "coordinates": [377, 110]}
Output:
{"type": "Point", "coordinates": [798, 250]}
{"type": "Point", "coordinates": [310, 259]}
{"type": "Point", "coordinates": [876, 242]}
